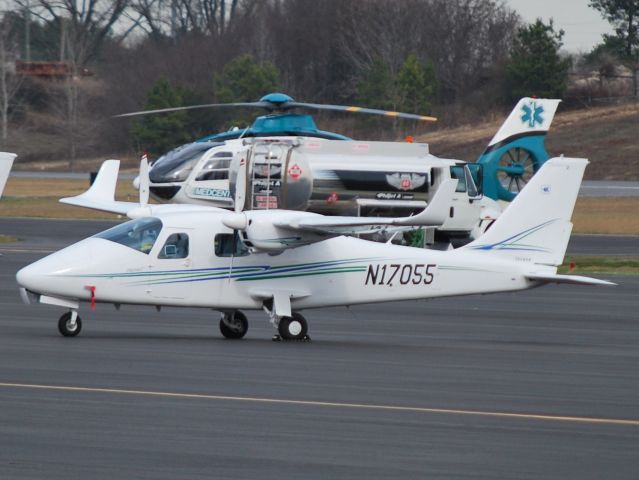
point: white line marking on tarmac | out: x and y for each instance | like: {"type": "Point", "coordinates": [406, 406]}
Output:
{"type": "Point", "coordinates": [609, 187]}
{"type": "Point", "coordinates": [360, 406]}
{"type": "Point", "coordinates": [25, 250]}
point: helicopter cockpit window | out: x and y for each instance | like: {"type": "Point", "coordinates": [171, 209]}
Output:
{"type": "Point", "coordinates": [176, 246]}
{"type": "Point", "coordinates": [139, 234]}
{"type": "Point", "coordinates": [230, 245]}
{"type": "Point", "coordinates": [176, 165]}
{"type": "Point", "coordinates": [217, 167]}
{"type": "Point", "coordinates": [457, 172]}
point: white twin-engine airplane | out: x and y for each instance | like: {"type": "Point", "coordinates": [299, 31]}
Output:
{"type": "Point", "coordinates": [285, 261]}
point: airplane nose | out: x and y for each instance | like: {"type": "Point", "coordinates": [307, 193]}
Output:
{"type": "Point", "coordinates": [30, 278]}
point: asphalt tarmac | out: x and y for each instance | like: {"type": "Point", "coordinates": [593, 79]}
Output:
{"type": "Point", "coordinates": [539, 384]}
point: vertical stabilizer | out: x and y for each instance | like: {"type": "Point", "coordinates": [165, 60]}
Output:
{"type": "Point", "coordinates": [536, 226]}
{"type": "Point", "coordinates": [517, 150]}
{"type": "Point", "coordinates": [531, 116]}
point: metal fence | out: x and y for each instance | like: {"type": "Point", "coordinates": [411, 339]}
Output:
{"type": "Point", "coordinates": [603, 86]}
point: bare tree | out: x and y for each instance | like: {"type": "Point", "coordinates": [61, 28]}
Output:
{"type": "Point", "coordinates": [173, 18]}
{"type": "Point", "coordinates": [83, 25]}
{"type": "Point", "coordinates": [9, 81]}
{"type": "Point", "coordinates": [464, 39]}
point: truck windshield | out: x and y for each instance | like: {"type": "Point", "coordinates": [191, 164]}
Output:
{"type": "Point", "coordinates": [473, 191]}
{"type": "Point", "coordinates": [139, 234]}
{"type": "Point", "coordinates": [457, 172]}
{"type": "Point", "coordinates": [474, 178]}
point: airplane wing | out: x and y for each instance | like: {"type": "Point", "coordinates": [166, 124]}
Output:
{"type": "Point", "coordinates": [101, 195]}
{"type": "Point", "coordinates": [570, 279]}
{"type": "Point", "coordinates": [434, 214]}
{"type": "Point", "coordinates": [6, 161]}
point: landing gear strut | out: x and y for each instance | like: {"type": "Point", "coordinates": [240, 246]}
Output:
{"type": "Point", "coordinates": [70, 324]}
{"type": "Point", "coordinates": [233, 325]}
{"type": "Point", "coordinates": [293, 328]}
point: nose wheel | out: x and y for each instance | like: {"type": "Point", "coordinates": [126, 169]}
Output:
{"type": "Point", "coordinates": [294, 327]}
{"type": "Point", "coordinates": [233, 325]}
{"type": "Point", "coordinates": [70, 324]}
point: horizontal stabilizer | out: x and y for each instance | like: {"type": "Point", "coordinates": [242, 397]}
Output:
{"type": "Point", "coordinates": [571, 279]}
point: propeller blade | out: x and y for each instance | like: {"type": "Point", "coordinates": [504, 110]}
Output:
{"type": "Point", "coordinates": [370, 111]}
{"type": "Point", "coordinates": [144, 181]}
{"type": "Point", "coordinates": [240, 187]}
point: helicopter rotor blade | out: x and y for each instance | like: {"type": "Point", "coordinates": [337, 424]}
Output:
{"type": "Point", "coordinates": [286, 104]}
{"type": "Point", "coordinates": [266, 105]}
{"type": "Point", "coordinates": [370, 111]}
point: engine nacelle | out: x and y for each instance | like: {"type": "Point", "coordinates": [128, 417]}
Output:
{"type": "Point", "coordinates": [260, 232]}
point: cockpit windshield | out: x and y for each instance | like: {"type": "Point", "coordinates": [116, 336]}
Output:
{"type": "Point", "coordinates": [176, 165]}
{"type": "Point", "coordinates": [139, 234]}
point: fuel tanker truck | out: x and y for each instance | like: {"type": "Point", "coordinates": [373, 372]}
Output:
{"type": "Point", "coordinates": [325, 176]}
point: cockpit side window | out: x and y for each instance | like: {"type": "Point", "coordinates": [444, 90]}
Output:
{"type": "Point", "coordinates": [139, 234]}
{"type": "Point", "coordinates": [176, 246]}
{"type": "Point", "coordinates": [229, 245]}
{"type": "Point", "coordinates": [217, 167]}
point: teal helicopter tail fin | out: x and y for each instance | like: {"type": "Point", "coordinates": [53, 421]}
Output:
{"type": "Point", "coordinates": [517, 150]}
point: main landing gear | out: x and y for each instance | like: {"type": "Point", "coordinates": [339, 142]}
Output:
{"type": "Point", "coordinates": [70, 324]}
{"type": "Point", "coordinates": [294, 327]}
{"type": "Point", "coordinates": [234, 325]}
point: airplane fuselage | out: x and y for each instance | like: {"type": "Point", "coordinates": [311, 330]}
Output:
{"type": "Point", "coordinates": [337, 271]}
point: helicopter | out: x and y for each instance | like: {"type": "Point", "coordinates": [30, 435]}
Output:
{"type": "Point", "coordinates": [341, 176]}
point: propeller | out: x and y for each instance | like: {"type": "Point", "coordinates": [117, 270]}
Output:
{"type": "Point", "coordinates": [144, 181]}
{"type": "Point", "coordinates": [237, 220]}
{"type": "Point", "coordinates": [280, 102]}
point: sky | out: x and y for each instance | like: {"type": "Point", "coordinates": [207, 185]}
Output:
{"type": "Point", "coordinates": [583, 26]}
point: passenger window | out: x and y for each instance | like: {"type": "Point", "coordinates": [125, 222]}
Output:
{"type": "Point", "coordinates": [176, 246]}
{"type": "Point", "coordinates": [229, 245]}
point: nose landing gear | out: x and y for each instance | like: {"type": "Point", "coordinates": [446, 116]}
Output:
{"type": "Point", "coordinates": [70, 324]}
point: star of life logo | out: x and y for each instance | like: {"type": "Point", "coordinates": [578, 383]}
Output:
{"type": "Point", "coordinates": [532, 114]}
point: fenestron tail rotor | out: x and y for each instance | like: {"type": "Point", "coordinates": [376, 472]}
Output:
{"type": "Point", "coordinates": [280, 102]}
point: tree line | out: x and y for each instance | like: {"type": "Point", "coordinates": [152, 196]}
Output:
{"type": "Point", "coordinates": [444, 57]}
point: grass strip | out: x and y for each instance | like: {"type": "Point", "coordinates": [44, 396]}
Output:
{"type": "Point", "coordinates": [587, 265]}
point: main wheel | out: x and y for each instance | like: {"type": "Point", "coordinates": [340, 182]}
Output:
{"type": "Point", "coordinates": [293, 328]}
{"type": "Point", "coordinates": [234, 326]}
{"type": "Point", "coordinates": [66, 329]}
